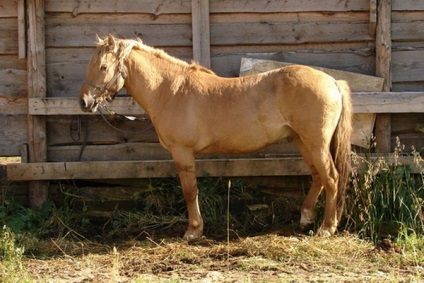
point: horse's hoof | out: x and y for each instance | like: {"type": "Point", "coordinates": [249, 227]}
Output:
{"type": "Point", "coordinates": [192, 235]}
{"type": "Point", "coordinates": [325, 232]}
{"type": "Point", "coordinates": [306, 221]}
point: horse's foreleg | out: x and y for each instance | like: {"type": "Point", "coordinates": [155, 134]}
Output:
{"type": "Point", "coordinates": [185, 166]}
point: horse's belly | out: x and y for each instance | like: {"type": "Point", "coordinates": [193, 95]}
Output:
{"type": "Point", "coordinates": [246, 141]}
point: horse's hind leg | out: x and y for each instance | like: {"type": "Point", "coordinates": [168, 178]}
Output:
{"type": "Point", "coordinates": [325, 176]}
{"type": "Point", "coordinates": [185, 165]}
{"type": "Point", "coordinates": [308, 207]}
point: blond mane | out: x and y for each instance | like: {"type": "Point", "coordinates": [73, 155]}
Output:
{"type": "Point", "coordinates": [122, 47]}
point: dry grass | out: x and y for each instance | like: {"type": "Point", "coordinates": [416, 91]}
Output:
{"type": "Point", "coordinates": [268, 258]}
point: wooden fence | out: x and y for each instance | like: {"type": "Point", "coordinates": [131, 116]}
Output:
{"type": "Point", "coordinates": [45, 46]}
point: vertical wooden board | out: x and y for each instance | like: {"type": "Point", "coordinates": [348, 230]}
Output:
{"type": "Point", "coordinates": [201, 32]}
{"type": "Point", "coordinates": [383, 69]}
{"type": "Point", "coordinates": [37, 139]}
{"type": "Point", "coordinates": [21, 29]}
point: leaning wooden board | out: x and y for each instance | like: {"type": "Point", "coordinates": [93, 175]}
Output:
{"type": "Point", "coordinates": [363, 124]}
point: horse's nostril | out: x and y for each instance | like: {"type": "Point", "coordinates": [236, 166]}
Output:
{"type": "Point", "coordinates": [87, 102]}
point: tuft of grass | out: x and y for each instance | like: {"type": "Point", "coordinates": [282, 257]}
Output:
{"type": "Point", "coordinates": [385, 198]}
{"type": "Point", "coordinates": [11, 256]}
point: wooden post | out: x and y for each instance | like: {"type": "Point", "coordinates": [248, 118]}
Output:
{"type": "Point", "coordinates": [21, 29]}
{"type": "Point", "coordinates": [201, 32]}
{"type": "Point", "coordinates": [37, 142]}
{"type": "Point", "coordinates": [384, 70]}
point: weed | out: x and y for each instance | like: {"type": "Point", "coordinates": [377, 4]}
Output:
{"type": "Point", "coordinates": [385, 197]}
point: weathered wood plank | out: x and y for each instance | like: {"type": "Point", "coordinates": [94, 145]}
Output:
{"type": "Point", "coordinates": [217, 6]}
{"type": "Point", "coordinates": [152, 169]}
{"type": "Point", "coordinates": [16, 105]}
{"type": "Point", "coordinates": [383, 50]}
{"type": "Point", "coordinates": [37, 136]}
{"type": "Point", "coordinates": [9, 36]}
{"type": "Point", "coordinates": [70, 106]}
{"type": "Point", "coordinates": [13, 82]}
{"type": "Point", "coordinates": [226, 61]}
{"type": "Point", "coordinates": [13, 132]}
{"type": "Point", "coordinates": [290, 166]}
{"type": "Point", "coordinates": [363, 102]}
{"type": "Point", "coordinates": [67, 31]}
{"type": "Point", "coordinates": [287, 33]}
{"type": "Point", "coordinates": [9, 8]}
{"type": "Point", "coordinates": [388, 102]}
{"type": "Point", "coordinates": [201, 32]}
{"type": "Point", "coordinates": [21, 29]}
{"type": "Point", "coordinates": [357, 82]}
{"type": "Point", "coordinates": [408, 66]}
{"type": "Point", "coordinates": [405, 5]}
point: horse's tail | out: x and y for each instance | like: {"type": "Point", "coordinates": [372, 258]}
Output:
{"type": "Point", "coordinates": [341, 145]}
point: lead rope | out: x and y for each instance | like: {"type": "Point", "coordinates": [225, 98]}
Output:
{"type": "Point", "coordinates": [131, 118]}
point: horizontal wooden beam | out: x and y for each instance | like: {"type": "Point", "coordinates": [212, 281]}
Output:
{"type": "Point", "coordinates": [154, 169]}
{"type": "Point", "coordinates": [286, 166]}
{"type": "Point", "coordinates": [363, 102]}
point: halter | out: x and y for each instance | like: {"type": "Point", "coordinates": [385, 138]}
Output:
{"type": "Point", "coordinates": [104, 90]}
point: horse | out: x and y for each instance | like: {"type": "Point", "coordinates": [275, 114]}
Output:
{"type": "Point", "coordinates": [195, 111]}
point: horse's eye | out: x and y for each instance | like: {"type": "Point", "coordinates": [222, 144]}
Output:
{"type": "Point", "coordinates": [103, 67]}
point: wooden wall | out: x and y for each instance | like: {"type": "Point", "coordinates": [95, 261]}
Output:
{"type": "Point", "coordinates": [13, 80]}
{"type": "Point", "coordinates": [337, 34]}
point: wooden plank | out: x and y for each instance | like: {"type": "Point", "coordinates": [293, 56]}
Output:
{"type": "Point", "coordinates": [13, 105]}
{"type": "Point", "coordinates": [363, 102]}
{"type": "Point", "coordinates": [13, 132]}
{"type": "Point", "coordinates": [388, 102]}
{"type": "Point", "coordinates": [9, 36]}
{"type": "Point", "coordinates": [287, 33]}
{"type": "Point", "coordinates": [201, 32]}
{"type": "Point", "coordinates": [153, 169]}
{"type": "Point", "coordinates": [70, 106]}
{"type": "Point", "coordinates": [13, 82]}
{"type": "Point", "coordinates": [407, 26]}
{"type": "Point", "coordinates": [290, 166]}
{"type": "Point", "coordinates": [37, 139]}
{"type": "Point", "coordinates": [66, 31]}
{"type": "Point", "coordinates": [154, 7]}
{"type": "Point", "coordinates": [408, 65]}
{"type": "Point", "coordinates": [21, 29]}
{"type": "Point", "coordinates": [407, 5]}
{"type": "Point", "coordinates": [217, 6]}
{"type": "Point", "coordinates": [9, 8]}
{"type": "Point", "coordinates": [226, 61]}
{"type": "Point", "coordinates": [383, 44]}
{"type": "Point", "coordinates": [357, 82]}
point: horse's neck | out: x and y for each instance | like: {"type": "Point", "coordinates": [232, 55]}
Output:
{"type": "Point", "coordinates": [145, 76]}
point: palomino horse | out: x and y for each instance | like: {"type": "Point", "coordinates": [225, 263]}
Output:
{"type": "Point", "coordinates": [195, 111]}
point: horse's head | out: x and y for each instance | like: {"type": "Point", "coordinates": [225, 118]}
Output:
{"type": "Point", "coordinates": [105, 75]}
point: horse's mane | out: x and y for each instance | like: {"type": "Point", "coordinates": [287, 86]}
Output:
{"type": "Point", "coordinates": [122, 47]}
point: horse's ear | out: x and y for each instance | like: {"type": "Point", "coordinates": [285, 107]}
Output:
{"type": "Point", "coordinates": [98, 39]}
{"type": "Point", "coordinates": [111, 41]}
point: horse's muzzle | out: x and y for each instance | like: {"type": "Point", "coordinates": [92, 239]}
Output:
{"type": "Point", "coordinates": [88, 103]}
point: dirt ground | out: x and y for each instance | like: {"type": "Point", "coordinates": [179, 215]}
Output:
{"type": "Point", "coordinates": [267, 258]}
